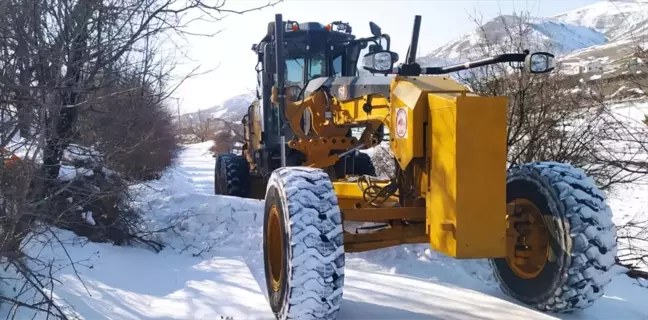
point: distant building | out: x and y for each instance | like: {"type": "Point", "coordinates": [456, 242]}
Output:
{"type": "Point", "coordinates": [578, 69]}
{"type": "Point", "coordinates": [594, 66]}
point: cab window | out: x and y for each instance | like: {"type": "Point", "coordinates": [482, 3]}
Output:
{"type": "Point", "coordinates": [295, 71]}
{"type": "Point", "coordinates": [337, 66]}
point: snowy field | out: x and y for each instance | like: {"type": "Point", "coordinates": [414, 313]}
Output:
{"type": "Point", "coordinates": [215, 268]}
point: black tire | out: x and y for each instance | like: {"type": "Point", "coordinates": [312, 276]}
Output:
{"type": "Point", "coordinates": [581, 238]}
{"type": "Point", "coordinates": [231, 175]}
{"type": "Point", "coordinates": [311, 241]}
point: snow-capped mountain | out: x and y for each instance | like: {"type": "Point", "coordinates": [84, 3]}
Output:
{"type": "Point", "coordinates": [561, 37]}
{"type": "Point", "coordinates": [615, 19]}
{"type": "Point", "coordinates": [602, 24]}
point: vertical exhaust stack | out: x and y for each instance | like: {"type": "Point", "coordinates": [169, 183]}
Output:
{"type": "Point", "coordinates": [281, 95]}
{"type": "Point", "coordinates": [411, 53]}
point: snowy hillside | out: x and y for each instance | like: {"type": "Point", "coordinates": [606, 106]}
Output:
{"type": "Point", "coordinates": [232, 109]}
{"type": "Point", "coordinates": [624, 23]}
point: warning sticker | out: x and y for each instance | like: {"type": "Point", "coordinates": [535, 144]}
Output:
{"type": "Point", "coordinates": [401, 123]}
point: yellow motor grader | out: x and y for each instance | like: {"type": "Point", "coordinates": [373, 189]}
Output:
{"type": "Point", "coordinates": [545, 226]}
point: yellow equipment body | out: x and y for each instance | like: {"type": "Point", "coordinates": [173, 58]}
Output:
{"type": "Point", "coordinates": [452, 187]}
{"type": "Point", "coordinates": [462, 195]}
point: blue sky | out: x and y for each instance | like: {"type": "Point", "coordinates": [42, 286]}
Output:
{"type": "Point", "coordinates": [229, 52]}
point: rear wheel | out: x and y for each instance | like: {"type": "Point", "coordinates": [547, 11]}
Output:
{"type": "Point", "coordinates": [560, 240]}
{"type": "Point", "coordinates": [303, 244]}
{"type": "Point", "coordinates": [231, 175]}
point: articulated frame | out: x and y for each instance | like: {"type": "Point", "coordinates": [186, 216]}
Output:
{"type": "Point", "coordinates": [403, 225]}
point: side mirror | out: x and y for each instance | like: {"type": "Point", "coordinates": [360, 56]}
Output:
{"type": "Point", "coordinates": [539, 62]}
{"type": "Point", "coordinates": [375, 29]}
{"type": "Point", "coordinates": [379, 61]}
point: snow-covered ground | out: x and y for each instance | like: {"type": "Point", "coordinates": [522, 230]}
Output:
{"type": "Point", "coordinates": [214, 268]}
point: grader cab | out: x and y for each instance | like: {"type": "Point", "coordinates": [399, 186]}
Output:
{"type": "Point", "coordinates": [545, 226]}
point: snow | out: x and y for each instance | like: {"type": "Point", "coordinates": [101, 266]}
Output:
{"type": "Point", "coordinates": [615, 19]}
{"type": "Point", "coordinates": [213, 267]}
{"type": "Point", "coordinates": [87, 216]}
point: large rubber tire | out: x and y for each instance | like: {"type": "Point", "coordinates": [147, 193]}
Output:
{"type": "Point", "coordinates": [231, 175]}
{"type": "Point", "coordinates": [312, 244]}
{"type": "Point", "coordinates": [581, 238]}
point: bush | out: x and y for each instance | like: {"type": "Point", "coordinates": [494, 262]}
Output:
{"type": "Point", "coordinates": [94, 203]}
{"type": "Point", "coordinates": [223, 142]}
{"type": "Point", "coordinates": [133, 131]}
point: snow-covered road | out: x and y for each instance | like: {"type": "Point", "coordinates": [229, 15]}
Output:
{"type": "Point", "coordinates": [214, 268]}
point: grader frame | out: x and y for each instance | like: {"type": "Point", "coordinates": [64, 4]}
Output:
{"type": "Point", "coordinates": [544, 226]}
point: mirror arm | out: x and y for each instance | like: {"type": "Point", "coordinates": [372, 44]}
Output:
{"type": "Point", "coordinates": [508, 57]}
{"type": "Point", "coordinates": [386, 36]}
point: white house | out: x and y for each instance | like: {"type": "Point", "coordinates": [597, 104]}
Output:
{"type": "Point", "coordinates": [594, 66]}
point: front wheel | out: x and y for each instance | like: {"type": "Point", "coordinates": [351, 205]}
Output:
{"type": "Point", "coordinates": [303, 244]}
{"type": "Point", "coordinates": [560, 240]}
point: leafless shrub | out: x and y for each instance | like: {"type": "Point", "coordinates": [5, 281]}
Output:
{"type": "Point", "coordinates": [223, 142]}
{"type": "Point", "coordinates": [633, 235]}
{"type": "Point", "coordinates": [226, 137]}
{"type": "Point", "coordinates": [134, 132]}
{"type": "Point", "coordinates": [633, 246]}
{"type": "Point", "coordinates": [550, 117]}
{"type": "Point", "coordinates": [204, 129]}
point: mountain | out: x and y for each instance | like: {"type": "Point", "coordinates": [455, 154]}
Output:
{"type": "Point", "coordinates": [560, 36]}
{"type": "Point", "coordinates": [617, 20]}
{"type": "Point", "coordinates": [232, 109]}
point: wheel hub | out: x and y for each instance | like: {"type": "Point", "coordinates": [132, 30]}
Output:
{"type": "Point", "coordinates": [527, 241]}
{"type": "Point", "coordinates": [275, 248]}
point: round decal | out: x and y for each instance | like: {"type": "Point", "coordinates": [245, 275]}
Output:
{"type": "Point", "coordinates": [401, 123]}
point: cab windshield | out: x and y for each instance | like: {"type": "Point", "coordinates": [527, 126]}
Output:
{"type": "Point", "coordinates": [300, 70]}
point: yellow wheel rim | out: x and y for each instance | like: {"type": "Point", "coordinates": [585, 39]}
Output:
{"type": "Point", "coordinates": [527, 240]}
{"type": "Point", "coordinates": [275, 248]}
